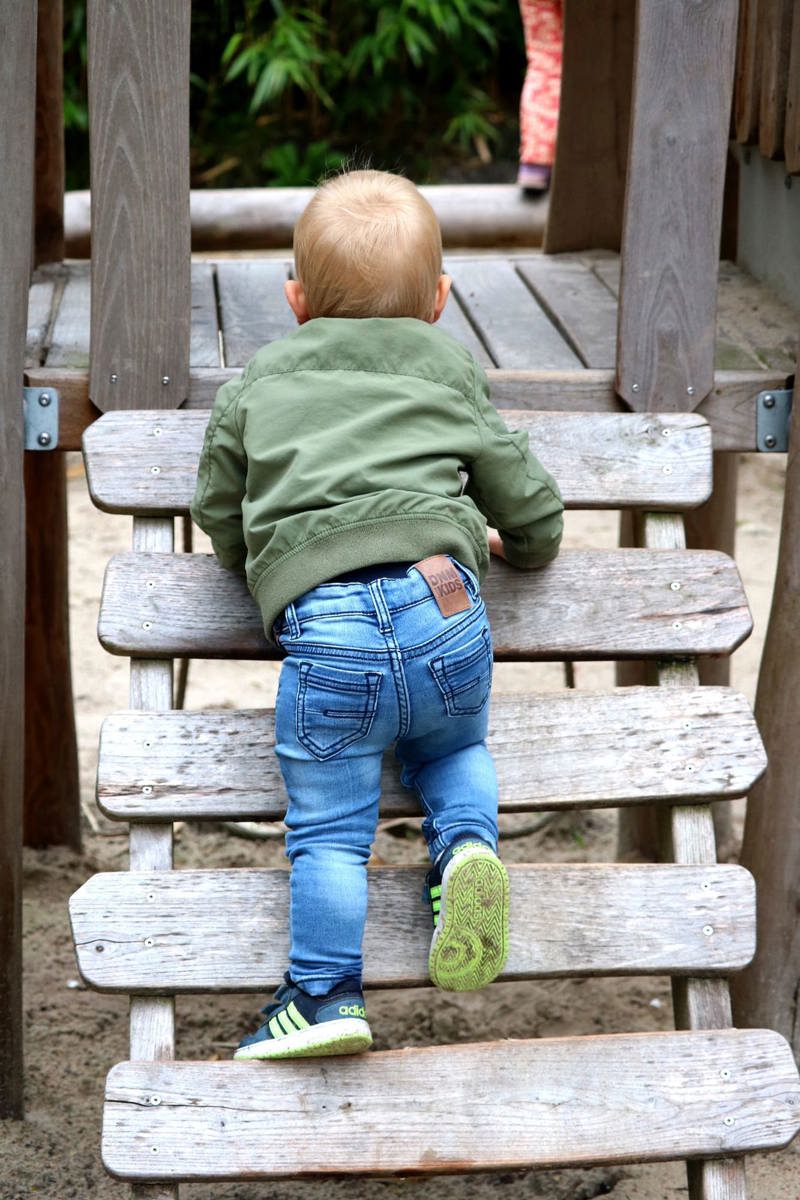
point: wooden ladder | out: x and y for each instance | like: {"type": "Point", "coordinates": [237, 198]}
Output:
{"type": "Point", "coordinates": [706, 1092]}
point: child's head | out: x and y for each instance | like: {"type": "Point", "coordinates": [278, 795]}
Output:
{"type": "Point", "coordinates": [368, 245]}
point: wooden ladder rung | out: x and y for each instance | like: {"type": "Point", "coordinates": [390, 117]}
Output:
{"type": "Point", "coordinates": [226, 930]}
{"type": "Point", "coordinates": [555, 750]}
{"type": "Point", "coordinates": [496, 1105]}
{"type": "Point", "coordinates": [587, 604]}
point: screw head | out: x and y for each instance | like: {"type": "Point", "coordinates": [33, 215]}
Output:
{"type": "Point", "coordinates": [44, 439]}
{"type": "Point", "coordinates": [45, 399]}
{"type": "Point", "coordinates": [690, 391]}
{"type": "Point", "coordinates": [770, 441]}
{"type": "Point", "coordinates": [113, 378]}
{"type": "Point", "coordinates": [165, 380]}
{"type": "Point", "coordinates": [769, 400]}
{"type": "Point", "coordinates": [635, 387]}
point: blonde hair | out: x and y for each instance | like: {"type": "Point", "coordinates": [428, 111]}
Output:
{"type": "Point", "coordinates": [368, 245]}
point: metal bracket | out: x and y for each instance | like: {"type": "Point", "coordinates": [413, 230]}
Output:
{"type": "Point", "coordinates": [41, 418]}
{"type": "Point", "coordinates": [773, 410]}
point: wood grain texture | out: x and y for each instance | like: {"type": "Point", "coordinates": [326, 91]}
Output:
{"type": "Point", "coordinates": [586, 199]}
{"type": "Point", "coordinates": [253, 307]}
{"type": "Point", "coordinates": [455, 321]}
{"type": "Point", "coordinates": [40, 304]}
{"type": "Point", "coordinates": [198, 931]}
{"type": "Point", "coordinates": [17, 101]}
{"type": "Point", "coordinates": [775, 17]}
{"type": "Point", "coordinates": [730, 409]}
{"type": "Point", "coordinates": [747, 90]}
{"type": "Point", "coordinates": [578, 304]}
{"type": "Point", "coordinates": [510, 1104]}
{"type": "Point", "coordinates": [147, 463]}
{"type": "Point", "coordinates": [557, 750]}
{"type": "Point", "coordinates": [514, 328]}
{"type": "Point", "coordinates": [69, 337]}
{"type": "Point", "coordinates": [673, 205]}
{"type": "Point", "coordinates": [141, 236]}
{"type": "Point", "coordinates": [771, 844]}
{"type": "Point", "coordinates": [791, 136]}
{"type": "Point", "coordinates": [585, 605]}
{"type": "Point", "coordinates": [50, 167]}
{"type": "Point", "coordinates": [204, 346]}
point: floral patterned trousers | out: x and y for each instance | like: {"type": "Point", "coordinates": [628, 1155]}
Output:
{"type": "Point", "coordinates": [542, 21]}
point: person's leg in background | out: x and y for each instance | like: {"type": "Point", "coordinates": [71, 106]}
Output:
{"type": "Point", "coordinates": [543, 26]}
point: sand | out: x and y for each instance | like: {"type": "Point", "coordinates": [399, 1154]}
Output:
{"type": "Point", "coordinates": [73, 1035]}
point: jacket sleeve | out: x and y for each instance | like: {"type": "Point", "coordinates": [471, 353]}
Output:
{"type": "Point", "coordinates": [512, 489]}
{"type": "Point", "coordinates": [222, 481]}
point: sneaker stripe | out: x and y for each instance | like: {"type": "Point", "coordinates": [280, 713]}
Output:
{"type": "Point", "coordinates": [293, 1012]}
{"type": "Point", "coordinates": [285, 1021]}
{"type": "Point", "coordinates": [274, 1026]}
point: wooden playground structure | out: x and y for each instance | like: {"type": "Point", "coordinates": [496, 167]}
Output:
{"type": "Point", "coordinates": [617, 350]}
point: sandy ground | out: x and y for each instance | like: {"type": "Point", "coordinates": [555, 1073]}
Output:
{"type": "Point", "coordinates": [73, 1036]}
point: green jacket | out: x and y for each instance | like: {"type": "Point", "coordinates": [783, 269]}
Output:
{"type": "Point", "coordinates": [353, 442]}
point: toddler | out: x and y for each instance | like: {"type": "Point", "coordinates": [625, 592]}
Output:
{"type": "Point", "coordinates": [350, 472]}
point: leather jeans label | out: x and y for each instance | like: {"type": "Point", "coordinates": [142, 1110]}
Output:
{"type": "Point", "coordinates": [446, 584]}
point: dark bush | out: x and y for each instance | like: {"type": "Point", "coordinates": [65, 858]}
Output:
{"type": "Point", "coordinates": [282, 93]}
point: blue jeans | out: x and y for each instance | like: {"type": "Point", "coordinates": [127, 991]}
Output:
{"type": "Point", "coordinates": [371, 664]}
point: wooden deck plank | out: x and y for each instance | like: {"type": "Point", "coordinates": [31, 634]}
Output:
{"type": "Point", "coordinates": [747, 89]}
{"type": "Point", "coordinates": [791, 137]}
{"type": "Point", "coordinates": [679, 144]}
{"type": "Point", "coordinates": [559, 750]}
{"type": "Point", "coordinates": [141, 233]}
{"type": "Point", "coordinates": [227, 931]}
{"type": "Point", "coordinates": [511, 323]}
{"type": "Point", "coordinates": [253, 307]}
{"type": "Point", "coordinates": [41, 297]}
{"type": "Point", "coordinates": [510, 1104]}
{"type": "Point", "coordinates": [578, 304]}
{"type": "Point", "coordinates": [205, 340]}
{"type": "Point", "coordinates": [147, 463]}
{"type": "Point", "coordinates": [587, 604]}
{"type": "Point", "coordinates": [69, 339]}
{"type": "Point", "coordinates": [455, 322]}
{"type": "Point", "coordinates": [775, 17]}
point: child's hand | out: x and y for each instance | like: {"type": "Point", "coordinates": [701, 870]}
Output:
{"type": "Point", "coordinates": [495, 543]}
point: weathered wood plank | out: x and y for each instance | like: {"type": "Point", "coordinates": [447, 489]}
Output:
{"type": "Point", "coordinates": [40, 304]}
{"type": "Point", "coordinates": [141, 235]}
{"type": "Point", "coordinates": [49, 183]}
{"type": "Point", "coordinates": [775, 17]}
{"type": "Point", "coordinates": [17, 103]}
{"type": "Point", "coordinates": [69, 339]}
{"type": "Point", "coordinates": [747, 91]}
{"type": "Point", "coordinates": [186, 931]}
{"type": "Point", "coordinates": [673, 205]}
{"type": "Point", "coordinates": [455, 322]}
{"type": "Point", "coordinates": [791, 136]}
{"type": "Point", "coordinates": [145, 462]}
{"type": "Point", "coordinates": [511, 323]}
{"type": "Point", "coordinates": [204, 346]}
{"type": "Point", "coordinates": [587, 604]}
{"type": "Point", "coordinates": [586, 198]}
{"type": "Point", "coordinates": [558, 750]}
{"type": "Point", "coordinates": [581, 308]}
{"type": "Point", "coordinates": [652, 1096]}
{"type": "Point", "coordinates": [253, 308]}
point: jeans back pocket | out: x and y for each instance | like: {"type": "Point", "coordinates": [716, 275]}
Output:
{"type": "Point", "coordinates": [464, 676]}
{"type": "Point", "coordinates": [335, 707]}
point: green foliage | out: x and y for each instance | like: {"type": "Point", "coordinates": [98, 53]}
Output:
{"type": "Point", "coordinates": [283, 92]}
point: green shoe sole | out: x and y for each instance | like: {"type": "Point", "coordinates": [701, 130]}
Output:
{"type": "Point", "coordinates": [349, 1036]}
{"type": "Point", "coordinates": [470, 942]}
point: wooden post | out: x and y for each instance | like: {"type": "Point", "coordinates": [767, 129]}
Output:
{"type": "Point", "coordinates": [586, 198]}
{"type": "Point", "coordinates": [767, 993]}
{"type": "Point", "coordinates": [52, 788]}
{"type": "Point", "coordinates": [17, 101]}
{"type": "Point", "coordinates": [673, 214]}
{"type": "Point", "coordinates": [49, 236]}
{"type": "Point", "coordinates": [141, 231]}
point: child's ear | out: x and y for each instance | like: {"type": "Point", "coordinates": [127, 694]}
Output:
{"type": "Point", "coordinates": [296, 296]}
{"type": "Point", "coordinates": [442, 292]}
